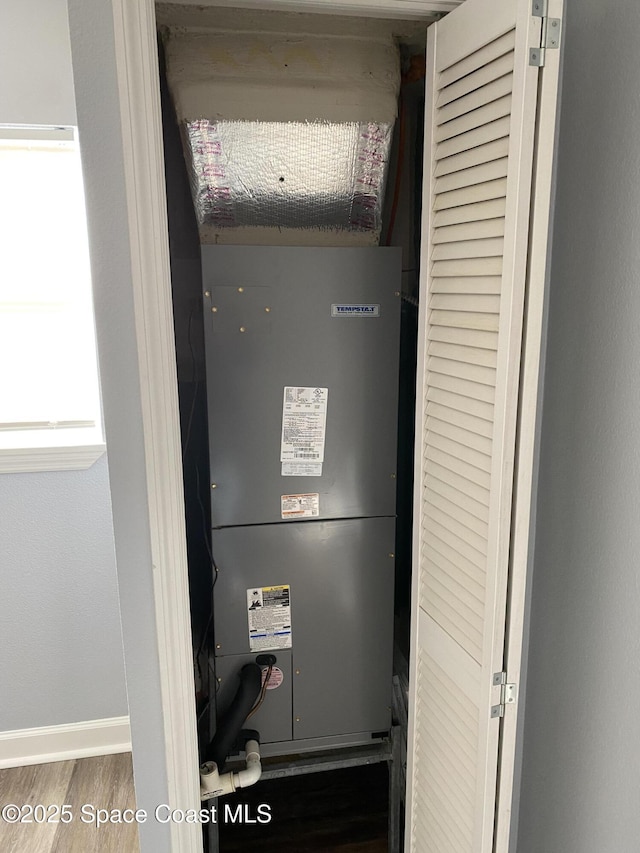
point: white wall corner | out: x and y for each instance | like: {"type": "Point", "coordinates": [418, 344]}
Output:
{"type": "Point", "coordinates": [21, 747]}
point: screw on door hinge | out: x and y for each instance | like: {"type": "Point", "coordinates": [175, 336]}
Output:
{"type": "Point", "coordinates": [550, 36]}
{"type": "Point", "coordinates": [508, 693]}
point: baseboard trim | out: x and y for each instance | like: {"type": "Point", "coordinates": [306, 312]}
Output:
{"type": "Point", "coordinates": [21, 747]}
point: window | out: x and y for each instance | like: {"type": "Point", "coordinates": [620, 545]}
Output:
{"type": "Point", "coordinates": [49, 393]}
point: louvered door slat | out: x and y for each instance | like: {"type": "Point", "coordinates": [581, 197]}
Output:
{"type": "Point", "coordinates": [485, 55]}
{"type": "Point", "coordinates": [461, 569]}
{"type": "Point", "coordinates": [487, 153]}
{"type": "Point", "coordinates": [468, 439]}
{"type": "Point", "coordinates": [458, 491]}
{"type": "Point", "coordinates": [483, 303]}
{"type": "Point", "coordinates": [449, 730]}
{"type": "Point", "coordinates": [456, 465]}
{"type": "Point", "coordinates": [464, 354]}
{"type": "Point", "coordinates": [465, 627]}
{"type": "Point", "coordinates": [479, 174]}
{"type": "Point", "coordinates": [466, 284]}
{"type": "Point", "coordinates": [437, 827]}
{"type": "Point", "coordinates": [445, 802]}
{"type": "Point", "coordinates": [469, 231]}
{"type": "Point", "coordinates": [470, 266]}
{"type": "Point", "coordinates": [460, 418]}
{"type": "Point", "coordinates": [465, 575]}
{"type": "Point", "coordinates": [477, 79]}
{"type": "Point", "coordinates": [455, 798]}
{"type": "Point", "coordinates": [478, 192]}
{"type": "Point", "coordinates": [476, 98]}
{"type": "Point", "coordinates": [462, 370]}
{"type": "Point", "coordinates": [477, 212]}
{"type": "Point", "coordinates": [445, 692]}
{"type": "Point", "coordinates": [464, 336]}
{"type": "Point", "coordinates": [465, 319]}
{"type": "Point", "coordinates": [439, 467]}
{"type": "Point", "coordinates": [489, 248]}
{"type": "Point", "coordinates": [481, 102]}
{"type": "Point", "coordinates": [455, 509]}
{"type": "Point", "coordinates": [484, 115]}
{"type": "Point", "coordinates": [452, 620]}
{"type": "Point", "coordinates": [457, 523]}
{"type": "Point", "coordinates": [458, 793]}
{"type": "Point", "coordinates": [470, 390]}
{"type": "Point", "coordinates": [479, 136]}
{"type": "Point", "coordinates": [448, 683]}
{"type": "Point", "coordinates": [455, 585]}
{"type": "Point", "coordinates": [452, 728]}
{"type": "Point", "coordinates": [454, 539]}
{"type": "Point", "coordinates": [457, 839]}
{"type": "Point", "coordinates": [458, 789]}
{"type": "Point", "coordinates": [454, 400]}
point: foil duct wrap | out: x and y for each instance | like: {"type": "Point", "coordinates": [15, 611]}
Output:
{"type": "Point", "coordinates": [293, 175]}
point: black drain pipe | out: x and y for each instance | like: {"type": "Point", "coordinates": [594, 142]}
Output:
{"type": "Point", "coordinates": [233, 719]}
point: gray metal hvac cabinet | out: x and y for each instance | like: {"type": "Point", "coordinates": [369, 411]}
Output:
{"type": "Point", "coordinates": [302, 384]}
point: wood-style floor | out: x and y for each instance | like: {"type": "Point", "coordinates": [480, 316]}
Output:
{"type": "Point", "coordinates": [337, 812]}
{"type": "Point", "coordinates": [105, 782]}
{"type": "Point", "coordinates": [342, 811]}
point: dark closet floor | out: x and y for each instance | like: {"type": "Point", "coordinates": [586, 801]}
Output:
{"type": "Point", "coordinates": [343, 811]}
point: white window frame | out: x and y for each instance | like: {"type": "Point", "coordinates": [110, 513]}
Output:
{"type": "Point", "coordinates": [54, 447]}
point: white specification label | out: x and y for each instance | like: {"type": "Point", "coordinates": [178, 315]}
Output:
{"type": "Point", "coordinates": [304, 423]}
{"type": "Point", "coordinates": [269, 610]}
{"type": "Point", "coordinates": [300, 506]}
{"type": "Point", "coordinates": [302, 469]}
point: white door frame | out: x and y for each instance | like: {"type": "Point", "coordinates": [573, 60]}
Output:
{"type": "Point", "coordinates": [137, 73]}
{"type": "Point", "coordinates": [526, 463]}
{"type": "Point", "coordinates": [138, 84]}
{"type": "Point", "coordinates": [114, 51]}
{"type": "Point", "coordinates": [404, 10]}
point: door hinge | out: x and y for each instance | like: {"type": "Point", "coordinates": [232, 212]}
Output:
{"type": "Point", "coordinates": [508, 694]}
{"type": "Point", "coordinates": [550, 35]}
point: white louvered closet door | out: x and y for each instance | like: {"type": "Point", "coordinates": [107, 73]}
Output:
{"type": "Point", "coordinates": [480, 134]}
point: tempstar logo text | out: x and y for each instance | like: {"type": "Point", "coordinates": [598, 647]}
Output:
{"type": "Point", "coordinates": [355, 310]}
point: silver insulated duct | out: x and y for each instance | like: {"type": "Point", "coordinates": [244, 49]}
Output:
{"type": "Point", "coordinates": [287, 137]}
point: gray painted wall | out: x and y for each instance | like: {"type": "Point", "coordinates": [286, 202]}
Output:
{"type": "Point", "coordinates": [581, 762]}
{"type": "Point", "coordinates": [35, 63]}
{"type": "Point", "coordinates": [61, 658]}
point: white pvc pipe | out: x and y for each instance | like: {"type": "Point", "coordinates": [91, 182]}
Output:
{"type": "Point", "coordinates": [212, 784]}
{"type": "Point", "coordinates": [253, 771]}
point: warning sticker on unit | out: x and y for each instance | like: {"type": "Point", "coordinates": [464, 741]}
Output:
{"type": "Point", "coordinates": [300, 506]}
{"type": "Point", "coordinates": [304, 423]}
{"type": "Point", "coordinates": [269, 611]}
{"type": "Point", "coordinates": [275, 679]}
